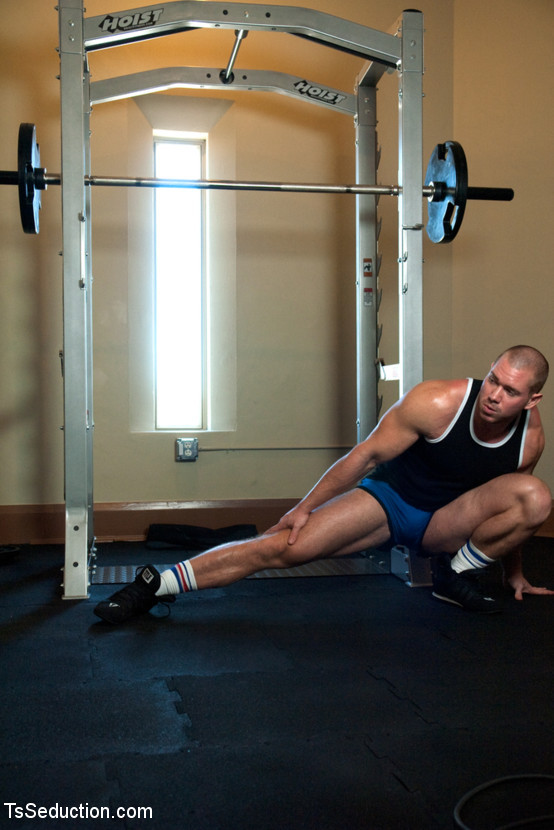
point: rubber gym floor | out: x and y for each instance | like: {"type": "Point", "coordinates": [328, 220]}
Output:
{"type": "Point", "coordinates": [331, 703]}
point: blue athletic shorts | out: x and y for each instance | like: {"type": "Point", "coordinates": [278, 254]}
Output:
{"type": "Point", "coordinates": [407, 524]}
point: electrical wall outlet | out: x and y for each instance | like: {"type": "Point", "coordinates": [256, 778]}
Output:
{"type": "Point", "coordinates": [186, 449]}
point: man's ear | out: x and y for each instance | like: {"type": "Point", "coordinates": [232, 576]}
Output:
{"type": "Point", "coordinates": [533, 400]}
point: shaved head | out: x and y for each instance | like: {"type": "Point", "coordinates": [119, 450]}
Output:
{"type": "Point", "coordinates": [526, 357]}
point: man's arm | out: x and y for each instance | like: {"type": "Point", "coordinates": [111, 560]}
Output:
{"type": "Point", "coordinates": [534, 443]}
{"type": "Point", "coordinates": [512, 562]}
{"type": "Point", "coordinates": [424, 410]}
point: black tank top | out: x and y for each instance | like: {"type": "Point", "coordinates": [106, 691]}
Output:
{"type": "Point", "coordinates": [433, 472]}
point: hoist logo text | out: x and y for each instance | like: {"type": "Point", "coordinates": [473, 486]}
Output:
{"type": "Point", "coordinates": [318, 92]}
{"type": "Point", "coordinates": [131, 21]}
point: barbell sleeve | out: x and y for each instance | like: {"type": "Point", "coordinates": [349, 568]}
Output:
{"type": "Point", "coordinates": [493, 194]}
{"type": "Point", "coordinates": [9, 177]}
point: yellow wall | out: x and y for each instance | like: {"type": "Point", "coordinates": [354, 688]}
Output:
{"type": "Point", "coordinates": [487, 84]}
{"type": "Point", "coordinates": [502, 277]}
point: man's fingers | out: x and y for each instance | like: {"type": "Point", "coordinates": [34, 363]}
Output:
{"type": "Point", "coordinates": [531, 589]}
{"type": "Point", "coordinates": [534, 590]}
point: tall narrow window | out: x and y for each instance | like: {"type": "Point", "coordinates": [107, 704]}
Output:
{"type": "Point", "coordinates": [179, 244]}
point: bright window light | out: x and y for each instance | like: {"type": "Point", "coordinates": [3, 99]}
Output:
{"type": "Point", "coordinates": [179, 287]}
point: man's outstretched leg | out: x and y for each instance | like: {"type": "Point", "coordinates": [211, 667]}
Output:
{"type": "Point", "coordinates": [349, 523]}
{"type": "Point", "coordinates": [151, 586]}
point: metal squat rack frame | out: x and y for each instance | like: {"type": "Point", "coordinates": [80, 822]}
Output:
{"type": "Point", "coordinates": [401, 51]}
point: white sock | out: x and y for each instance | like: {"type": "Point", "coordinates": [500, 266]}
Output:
{"type": "Point", "coordinates": [177, 580]}
{"type": "Point", "coordinates": [468, 557]}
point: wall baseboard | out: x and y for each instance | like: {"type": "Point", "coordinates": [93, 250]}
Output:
{"type": "Point", "coordinates": [43, 524]}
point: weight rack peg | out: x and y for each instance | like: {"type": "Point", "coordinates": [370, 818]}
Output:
{"type": "Point", "coordinates": [445, 187]}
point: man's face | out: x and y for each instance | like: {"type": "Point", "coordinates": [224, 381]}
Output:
{"type": "Point", "coordinates": [505, 392]}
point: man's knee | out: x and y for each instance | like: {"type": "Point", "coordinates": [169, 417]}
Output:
{"type": "Point", "coordinates": [275, 552]}
{"type": "Point", "coordinates": [535, 498]}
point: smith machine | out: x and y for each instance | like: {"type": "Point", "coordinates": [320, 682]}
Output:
{"type": "Point", "coordinates": [445, 187]}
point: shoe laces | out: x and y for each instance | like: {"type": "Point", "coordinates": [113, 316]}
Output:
{"type": "Point", "coordinates": [130, 596]}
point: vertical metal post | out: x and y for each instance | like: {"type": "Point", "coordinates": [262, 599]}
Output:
{"type": "Point", "coordinates": [410, 226]}
{"type": "Point", "coordinates": [77, 344]}
{"type": "Point", "coordinates": [366, 261]}
{"type": "Point", "coordinates": [89, 473]}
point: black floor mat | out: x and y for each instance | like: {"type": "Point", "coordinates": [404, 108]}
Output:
{"type": "Point", "coordinates": [351, 702]}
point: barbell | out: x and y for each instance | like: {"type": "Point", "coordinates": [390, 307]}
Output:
{"type": "Point", "coordinates": [446, 186]}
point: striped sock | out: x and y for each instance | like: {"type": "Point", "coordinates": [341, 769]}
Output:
{"type": "Point", "coordinates": [177, 580]}
{"type": "Point", "coordinates": [470, 557]}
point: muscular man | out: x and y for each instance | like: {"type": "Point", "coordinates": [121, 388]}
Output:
{"type": "Point", "coordinates": [447, 472]}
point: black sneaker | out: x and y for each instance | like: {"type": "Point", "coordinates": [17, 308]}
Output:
{"type": "Point", "coordinates": [461, 589]}
{"type": "Point", "coordinates": [136, 598]}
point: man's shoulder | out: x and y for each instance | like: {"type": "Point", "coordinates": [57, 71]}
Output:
{"type": "Point", "coordinates": [444, 394]}
{"type": "Point", "coordinates": [436, 402]}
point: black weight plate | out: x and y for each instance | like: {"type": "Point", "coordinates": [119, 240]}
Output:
{"type": "Point", "coordinates": [448, 166]}
{"type": "Point", "coordinates": [28, 159]}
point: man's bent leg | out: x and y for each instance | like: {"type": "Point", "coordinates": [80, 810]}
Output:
{"type": "Point", "coordinates": [495, 520]}
{"type": "Point", "coordinates": [497, 516]}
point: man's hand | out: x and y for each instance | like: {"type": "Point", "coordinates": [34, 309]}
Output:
{"type": "Point", "coordinates": [521, 586]}
{"type": "Point", "coordinates": [294, 521]}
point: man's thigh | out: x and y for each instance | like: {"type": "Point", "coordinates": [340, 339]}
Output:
{"type": "Point", "coordinates": [346, 524]}
{"type": "Point", "coordinates": [452, 525]}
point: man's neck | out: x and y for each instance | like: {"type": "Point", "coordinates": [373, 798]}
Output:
{"type": "Point", "coordinates": [491, 433]}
